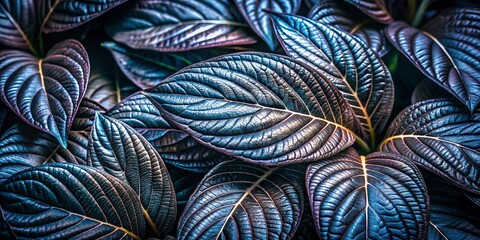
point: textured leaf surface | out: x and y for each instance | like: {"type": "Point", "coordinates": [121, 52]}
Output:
{"type": "Point", "coordinates": [381, 196]}
{"type": "Point", "coordinates": [185, 184]}
{"type": "Point", "coordinates": [452, 215]}
{"type": "Point", "coordinates": [376, 9]}
{"type": "Point", "coordinates": [454, 66]}
{"type": "Point", "coordinates": [59, 15]}
{"type": "Point", "coordinates": [175, 146]}
{"type": "Point", "coordinates": [359, 74]}
{"type": "Point", "coordinates": [64, 200]}
{"type": "Point", "coordinates": [258, 107]}
{"type": "Point", "coordinates": [86, 115]}
{"type": "Point", "coordinates": [18, 23]}
{"type": "Point", "coordinates": [240, 200]}
{"type": "Point", "coordinates": [46, 92]}
{"type": "Point", "coordinates": [119, 150]}
{"type": "Point", "coordinates": [252, 11]}
{"type": "Point", "coordinates": [442, 136]}
{"type": "Point", "coordinates": [181, 25]}
{"type": "Point", "coordinates": [345, 17]}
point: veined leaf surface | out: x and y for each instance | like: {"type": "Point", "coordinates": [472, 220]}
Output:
{"type": "Point", "coordinates": [376, 9]}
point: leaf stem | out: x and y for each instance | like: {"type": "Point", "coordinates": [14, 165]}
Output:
{"type": "Point", "coordinates": [419, 15]}
{"type": "Point", "coordinates": [363, 145]}
{"type": "Point", "coordinates": [412, 5]}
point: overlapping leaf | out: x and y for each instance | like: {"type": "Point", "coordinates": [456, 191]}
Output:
{"type": "Point", "coordinates": [119, 150]}
{"type": "Point", "coordinates": [355, 69]}
{"type": "Point", "coordinates": [86, 115]}
{"type": "Point", "coordinates": [64, 200]}
{"type": "Point", "coordinates": [252, 11]}
{"type": "Point", "coordinates": [449, 59]}
{"type": "Point", "coordinates": [262, 108]}
{"type": "Point", "coordinates": [240, 200]}
{"type": "Point", "coordinates": [175, 146]}
{"type": "Point", "coordinates": [425, 90]}
{"type": "Point", "coordinates": [46, 92]}
{"type": "Point", "coordinates": [376, 9]}
{"type": "Point", "coordinates": [442, 136]}
{"type": "Point", "coordinates": [181, 25]}
{"type": "Point", "coordinates": [18, 23]}
{"type": "Point", "coordinates": [185, 184]}
{"type": "Point", "coordinates": [380, 196]}
{"type": "Point", "coordinates": [346, 18]}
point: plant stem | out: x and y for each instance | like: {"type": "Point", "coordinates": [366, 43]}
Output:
{"type": "Point", "coordinates": [419, 15]}
{"type": "Point", "coordinates": [412, 5]}
{"type": "Point", "coordinates": [365, 149]}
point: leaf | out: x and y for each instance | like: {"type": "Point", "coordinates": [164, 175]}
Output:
{"type": "Point", "coordinates": [64, 200]}
{"type": "Point", "coordinates": [359, 74]}
{"type": "Point", "coordinates": [425, 90]}
{"type": "Point", "coordinates": [61, 15]}
{"type": "Point", "coordinates": [252, 11]}
{"type": "Point", "coordinates": [380, 196]}
{"type": "Point", "coordinates": [474, 198]}
{"type": "Point", "coordinates": [5, 231]}
{"type": "Point", "coordinates": [86, 115]}
{"type": "Point", "coordinates": [175, 146]}
{"type": "Point", "coordinates": [452, 215]}
{"type": "Point", "coordinates": [442, 136]}
{"type": "Point", "coordinates": [345, 17]}
{"type": "Point", "coordinates": [258, 107]}
{"type": "Point", "coordinates": [241, 200]}
{"type": "Point", "coordinates": [46, 92]}
{"type": "Point", "coordinates": [441, 63]}
{"type": "Point", "coordinates": [182, 25]}
{"type": "Point", "coordinates": [376, 9]}
{"type": "Point", "coordinates": [185, 184]}
{"type": "Point", "coordinates": [18, 23]}
{"type": "Point", "coordinates": [119, 150]}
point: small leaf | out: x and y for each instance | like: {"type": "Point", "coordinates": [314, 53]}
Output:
{"type": "Point", "coordinates": [376, 9]}
{"type": "Point", "coordinates": [119, 150]}
{"type": "Point", "coordinates": [380, 196]}
{"type": "Point", "coordinates": [252, 11]}
{"type": "Point", "coordinates": [258, 107]}
{"type": "Point", "coordinates": [64, 200]}
{"type": "Point", "coordinates": [46, 92]}
{"type": "Point", "coordinates": [18, 23]}
{"type": "Point", "coordinates": [359, 74]}
{"type": "Point", "coordinates": [426, 90]}
{"type": "Point", "coordinates": [86, 115]}
{"type": "Point", "coordinates": [240, 200]}
{"type": "Point", "coordinates": [176, 147]}
{"type": "Point", "coordinates": [181, 25]}
{"type": "Point", "coordinates": [442, 136]}
{"type": "Point", "coordinates": [441, 63]}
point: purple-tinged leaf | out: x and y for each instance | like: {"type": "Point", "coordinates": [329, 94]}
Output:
{"type": "Point", "coordinates": [345, 17]}
{"type": "Point", "coordinates": [376, 9]}
{"type": "Point", "coordinates": [262, 108]}
{"type": "Point", "coordinates": [45, 92]}
{"type": "Point", "coordinates": [455, 66]}
{"type": "Point", "coordinates": [18, 23]}
{"type": "Point", "coordinates": [380, 196]}
{"type": "Point", "coordinates": [70, 201]}
{"type": "Point", "coordinates": [252, 11]}
{"type": "Point", "coordinates": [237, 200]}
{"type": "Point", "coordinates": [119, 150]}
{"type": "Point", "coordinates": [176, 147]}
{"type": "Point", "coordinates": [359, 74]}
{"type": "Point", "coordinates": [442, 136]}
{"type": "Point", "coordinates": [425, 90]}
{"type": "Point", "coordinates": [59, 15]}
{"type": "Point", "coordinates": [182, 25]}
{"type": "Point", "coordinates": [86, 115]}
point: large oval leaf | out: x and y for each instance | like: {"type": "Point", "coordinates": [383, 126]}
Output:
{"type": "Point", "coordinates": [452, 215]}
{"type": "Point", "coordinates": [59, 15]}
{"type": "Point", "coordinates": [454, 66]}
{"type": "Point", "coordinates": [376, 9]}
{"type": "Point", "coordinates": [442, 136]}
{"type": "Point", "coordinates": [180, 25]}
{"type": "Point", "coordinates": [252, 11]}
{"type": "Point", "coordinates": [176, 147]}
{"type": "Point", "coordinates": [64, 200]}
{"type": "Point", "coordinates": [380, 196]}
{"type": "Point", "coordinates": [262, 108]}
{"type": "Point", "coordinates": [18, 23]}
{"type": "Point", "coordinates": [355, 69]}
{"type": "Point", "coordinates": [240, 200]}
{"type": "Point", "coordinates": [46, 92]}
{"type": "Point", "coordinates": [119, 150]}
{"type": "Point", "coordinates": [345, 17]}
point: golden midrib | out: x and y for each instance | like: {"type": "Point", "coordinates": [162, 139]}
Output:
{"type": "Point", "coordinates": [20, 30]}
{"type": "Point", "coordinates": [367, 204]}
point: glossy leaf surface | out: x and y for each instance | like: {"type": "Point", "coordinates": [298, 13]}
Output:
{"type": "Point", "coordinates": [359, 74]}
{"type": "Point", "coordinates": [86, 115]}
{"type": "Point", "coordinates": [252, 11]}
{"type": "Point", "coordinates": [119, 150]}
{"type": "Point", "coordinates": [175, 146]}
{"type": "Point", "coordinates": [442, 136]}
{"type": "Point", "coordinates": [18, 25]}
{"type": "Point", "coordinates": [442, 63]}
{"type": "Point", "coordinates": [240, 200]}
{"type": "Point", "coordinates": [376, 9]}
{"type": "Point", "coordinates": [380, 196]}
{"type": "Point", "coordinates": [181, 25]}
{"type": "Point", "coordinates": [64, 200]}
{"type": "Point", "coordinates": [258, 107]}
{"type": "Point", "coordinates": [46, 92]}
